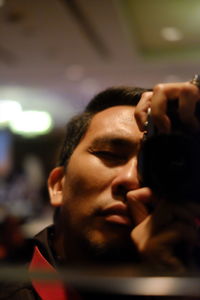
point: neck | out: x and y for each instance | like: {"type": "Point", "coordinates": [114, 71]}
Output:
{"type": "Point", "coordinates": [69, 251]}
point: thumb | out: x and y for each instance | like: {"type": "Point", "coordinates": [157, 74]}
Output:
{"type": "Point", "coordinates": [139, 202]}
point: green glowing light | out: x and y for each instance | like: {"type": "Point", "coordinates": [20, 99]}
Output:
{"type": "Point", "coordinates": [8, 110]}
{"type": "Point", "coordinates": [29, 123]}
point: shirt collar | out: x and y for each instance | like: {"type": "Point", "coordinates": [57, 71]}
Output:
{"type": "Point", "coordinates": [47, 290]}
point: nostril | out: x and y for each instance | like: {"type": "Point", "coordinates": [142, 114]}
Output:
{"type": "Point", "coordinates": [119, 192]}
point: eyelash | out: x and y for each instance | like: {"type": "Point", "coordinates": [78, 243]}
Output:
{"type": "Point", "coordinates": [110, 155]}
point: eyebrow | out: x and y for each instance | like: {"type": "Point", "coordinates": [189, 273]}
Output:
{"type": "Point", "coordinates": [112, 141]}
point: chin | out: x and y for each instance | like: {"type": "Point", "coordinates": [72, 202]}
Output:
{"type": "Point", "coordinates": [110, 247]}
{"type": "Point", "coordinates": [106, 238]}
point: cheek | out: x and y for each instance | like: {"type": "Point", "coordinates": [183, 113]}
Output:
{"type": "Point", "coordinates": [87, 176]}
{"type": "Point", "coordinates": [87, 183]}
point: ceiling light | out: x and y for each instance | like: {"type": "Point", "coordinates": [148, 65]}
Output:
{"type": "Point", "coordinates": [29, 123]}
{"type": "Point", "coordinates": [171, 34]}
{"type": "Point", "coordinates": [9, 110]}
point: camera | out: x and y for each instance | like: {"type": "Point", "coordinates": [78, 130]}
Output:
{"type": "Point", "coordinates": [170, 163]}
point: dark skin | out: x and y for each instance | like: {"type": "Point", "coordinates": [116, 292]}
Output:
{"type": "Point", "coordinates": [100, 195]}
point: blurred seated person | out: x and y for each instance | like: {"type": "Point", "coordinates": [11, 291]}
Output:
{"type": "Point", "coordinates": [15, 248]}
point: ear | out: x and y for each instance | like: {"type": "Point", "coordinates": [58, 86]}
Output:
{"type": "Point", "coordinates": [55, 186]}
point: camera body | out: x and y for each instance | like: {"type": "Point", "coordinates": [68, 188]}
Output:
{"type": "Point", "coordinates": [170, 163]}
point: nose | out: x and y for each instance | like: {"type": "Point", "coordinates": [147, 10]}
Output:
{"type": "Point", "coordinates": [126, 179]}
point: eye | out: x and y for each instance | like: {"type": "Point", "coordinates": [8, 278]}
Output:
{"type": "Point", "coordinates": [111, 156]}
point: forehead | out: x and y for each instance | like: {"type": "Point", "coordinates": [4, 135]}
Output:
{"type": "Point", "coordinates": [117, 120]}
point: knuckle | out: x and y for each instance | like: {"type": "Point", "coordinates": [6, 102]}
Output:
{"type": "Point", "coordinates": [137, 109]}
{"type": "Point", "coordinates": [159, 87]}
{"type": "Point", "coordinates": [137, 114]}
{"type": "Point", "coordinates": [147, 94]}
{"type": "Point", "coordinates": [188, 88]}
{"type": "Point", "coordinates": [156, 114]}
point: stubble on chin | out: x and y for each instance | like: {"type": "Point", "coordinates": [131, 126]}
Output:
{"type": "Point", "coordinates": [99, 250]}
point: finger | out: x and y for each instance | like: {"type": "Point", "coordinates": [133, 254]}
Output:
{"type": "Point", "coordinates": [138, 202]}
{"type": "Point", "coordinates": [138, 211]}
{"type": "Point", "coordinates": [143, 195]}
{"type": "Point", "coordinates": [142, 109]}
{"type": "Point", "coordinates": [163, 93]}
{"type": "Point", "coordinates": [141, 233]}
{"type": "Point", "coordinates": [166, 236]}
{"type": "Point", "coordinates": [187, 105]}
{"type": "Point", "coordinates": [174, 235]}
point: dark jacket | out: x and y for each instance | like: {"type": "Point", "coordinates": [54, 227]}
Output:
{"type": "Point", "coordinates": [42, 258]}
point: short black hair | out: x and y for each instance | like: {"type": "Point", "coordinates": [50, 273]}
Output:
{"type": "Point", "coordinates": [78, 125]}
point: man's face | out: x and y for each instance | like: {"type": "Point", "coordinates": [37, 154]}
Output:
{"type": "Point", "coordinates": [100, 172]}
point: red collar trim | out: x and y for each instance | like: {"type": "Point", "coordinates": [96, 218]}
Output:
{"type": "Point", "coordinates": [47, 290]}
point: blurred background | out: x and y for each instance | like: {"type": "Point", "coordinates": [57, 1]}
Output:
{"type": "Point", "coordinates": [54, 56]}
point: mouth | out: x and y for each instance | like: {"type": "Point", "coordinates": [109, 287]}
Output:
{"type": "Point", "coordinates": [117, 213]}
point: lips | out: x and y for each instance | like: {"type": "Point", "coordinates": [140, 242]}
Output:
{"type": "Point", "coordinates": [117, 213]}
